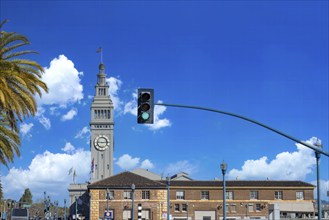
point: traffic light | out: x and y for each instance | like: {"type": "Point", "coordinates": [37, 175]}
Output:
{"type": "Point", "coordinates": [145, 106]}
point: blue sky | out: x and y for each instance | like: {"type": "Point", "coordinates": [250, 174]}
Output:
{"type": "Point", "coordinates": [266, 60]}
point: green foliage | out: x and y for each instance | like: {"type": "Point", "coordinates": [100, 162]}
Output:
{"type": "Point", "coordinates": [26, 197]}
{"type": "Point", "coordinates": [20, 81]}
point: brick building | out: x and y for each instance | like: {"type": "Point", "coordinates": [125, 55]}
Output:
{"type": "Point", "coordinates": [200, 200]}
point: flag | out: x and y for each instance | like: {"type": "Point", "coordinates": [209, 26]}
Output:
{"type": "Point", "coordinates": [92, 166]}
{"type": "Point", "coordinates": [70, 170]}
{"type": "Point", "coordinates": [74, 175]}
{"type": "Point", "coordinates": [99, 50]}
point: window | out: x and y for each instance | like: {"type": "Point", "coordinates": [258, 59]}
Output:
{"type": "Point", "coordinates": [184, 207]}
{"type": "Point", "coordinates": [180, 195]}
{"type": "Point", "coordinates": [250, 207]}
{"type": "Point", "coordinates": [278, 195]}
{"type": "Point", "coordinates": [233, 208]}
{"type": "Point", "coordinates": [253, 194]}
{"type": "Point", "coordinates": [176, 207]}
{"type": "Point", "coordinates": [145, 194]}
{"type": "Point", "coordinates": [108, 166]}
{"type": "Point", "coordinates": [126, 214]}
{"type": "Point", "coordinates": [300, 195]}
{"type": "Point", "coordinates": [229, 195]}
{"type": "Point", "coordinates": [258, 207]}
{"type": "Point", "coordinates": [127, 194]}
{"type": "Point", "coordinates": [205, 195]}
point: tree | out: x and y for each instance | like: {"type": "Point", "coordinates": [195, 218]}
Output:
{"type": "Point", "coordinates": [26, 197]}
{"type": "Point", "coordinates": [20, 81]}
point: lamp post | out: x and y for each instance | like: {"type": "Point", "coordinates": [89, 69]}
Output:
{"type": "Point", "coordinates": [64, 209]}
{"type": "Point", "coordinates": [133, 200]}
{"type": "Point", "coordinates": [223, 167]}
{"type": "Point", "coordinates": [56, 209]}
{"type": "Point", "coordinates": [168, 198]}
{"type": "Point", "coordinates": [76, 207]}
{"type": "Point", "coordinates": [318, 144]}
{"type": "Point", "coordinates": [107, 199]}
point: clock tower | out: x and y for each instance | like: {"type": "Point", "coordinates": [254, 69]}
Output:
{"type": "Point", "coordinates": [101, 128]}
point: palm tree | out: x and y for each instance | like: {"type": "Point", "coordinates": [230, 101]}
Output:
{"type": "Point", "coordinates": [20, 81]}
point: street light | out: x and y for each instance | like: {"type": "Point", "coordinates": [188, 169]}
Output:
{"type": "Point", "coordinates": [107, 199]}
{"type": "Point", "coordinates": [64, 209]}
{"type": "Point", "coordinates": [168, 198]}
{"type": "Point", "coordinates": [318, 144]}
{"type": "Point", "coordinates": [223, 167]}
{"type": "Point", "coordinates": [133, 187]}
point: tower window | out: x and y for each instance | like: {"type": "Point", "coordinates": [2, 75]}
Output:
{"type": "Point", "coordinates": [108, 166]}
{"type": "Point", "coordinates": [102, 156]}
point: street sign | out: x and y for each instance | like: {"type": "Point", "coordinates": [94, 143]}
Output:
{"type": "Point", "coordinates": [108, 215]}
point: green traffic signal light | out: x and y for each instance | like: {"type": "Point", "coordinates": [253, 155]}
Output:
{"type": "Point", "coordinates": [145, 107]}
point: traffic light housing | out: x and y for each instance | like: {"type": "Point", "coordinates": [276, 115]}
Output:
{"type": "Point", "coordinates": [145, 106]}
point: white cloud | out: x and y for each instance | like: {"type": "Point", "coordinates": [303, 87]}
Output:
{"type": "Point", "coordinates": [324, 188]}
{"type": "Point", "coordinates": [131, 106]}
{"type": "Point", "coordinates": [83, 133]}
{"type": "Point", "coordinates": [63, 81]}
{"type": "Point", "coordinates": [158, 123]}
{"type": "Point", "coordinates": [25, 128]}
{"type": "Point", "coordinates": [126, 162]}
{"type": "Point", "coordinates": [147, 164]}
{"type": "Point", "coordinates": [69, 115]}
{"type": "Point", "coordinates": [181, 166]}
{"type": "Point", "coordinates": [115, 85]}
{"type": "Point", "coordinates": [286, 165]}
{"type": "Point", "coordinates": [44, 121]}
{"type": "Point", "coordinates": [68, 148]}
{"type": "Point", "coordinates": [47, 172]}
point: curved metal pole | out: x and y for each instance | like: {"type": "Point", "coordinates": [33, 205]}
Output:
{"type": "Point", "coordinates": [319, 150]}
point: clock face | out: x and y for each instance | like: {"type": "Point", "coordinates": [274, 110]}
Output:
{"type": "Point", "coordinates": [101, 142]}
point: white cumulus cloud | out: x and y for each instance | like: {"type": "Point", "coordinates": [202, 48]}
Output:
{"type": "Point", "coordinates": [68, 148]}
{"type": "Point", "coordinates": [285, 166]}
{"type": "Point", "coordinates": [69, 115]}
{"type": "Point", "coordinates": [63, 81]}
{"type": "Point", "coordinates": [115, 85]}
{"type": "Point", "coordinates": [47, 172]}
{"type": "Point", "coordinates": [126, 162]}
{"type": "Point", "coordinates": [147, 164]}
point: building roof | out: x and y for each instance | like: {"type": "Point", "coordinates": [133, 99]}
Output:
{"type": "Point", "coordinates": [241, 183]}
{"type": "Point", "coordinates": [124, 180]}
{"type": "Point", "coordinates": [147, 174]}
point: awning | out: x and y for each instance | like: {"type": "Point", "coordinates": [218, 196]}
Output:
{"type": "Point", "coordinates": [295, 206]}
